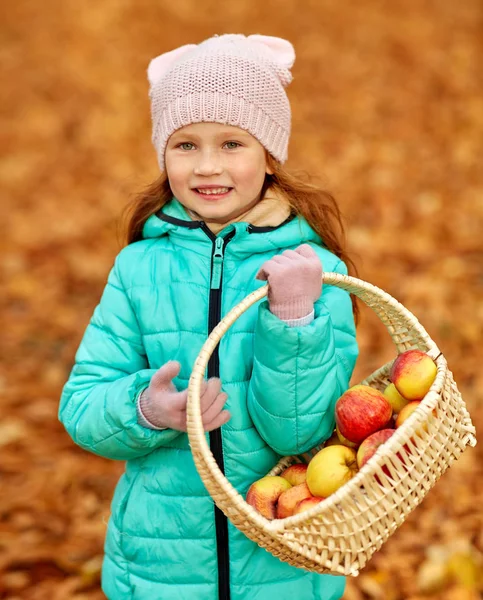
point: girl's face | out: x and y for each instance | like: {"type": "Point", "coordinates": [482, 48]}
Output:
{"type": "Point", "coordinates": [211, 157]}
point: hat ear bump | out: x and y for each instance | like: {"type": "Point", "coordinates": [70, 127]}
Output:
{"type": "Point", "coordinates": [282, 50]}
{"type": "Point", "coordinates": [162, 63]}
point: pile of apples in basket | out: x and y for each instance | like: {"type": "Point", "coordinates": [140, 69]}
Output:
{"type": "Point", "coordinates": [365, 419]}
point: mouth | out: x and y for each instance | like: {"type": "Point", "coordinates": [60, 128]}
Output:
{"type": "Point", "coordinates": [212, 193]}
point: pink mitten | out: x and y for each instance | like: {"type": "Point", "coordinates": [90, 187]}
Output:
{"type": "Point", "coordinates": [294, 282]}
{"type": "Point", "coordinates": [163, 406]}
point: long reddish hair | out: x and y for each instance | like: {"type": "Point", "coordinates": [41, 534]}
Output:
{"type": "Point", "coordinates": [316, 205]}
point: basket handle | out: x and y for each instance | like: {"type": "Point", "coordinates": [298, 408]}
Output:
{"type": "Point", "coordinates": [404, 328]}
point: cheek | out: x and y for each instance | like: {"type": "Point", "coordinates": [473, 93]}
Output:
{"type": "Point", "coordinates": [177, 173]}
{"type": "Point", "coordinates": [250, 174]}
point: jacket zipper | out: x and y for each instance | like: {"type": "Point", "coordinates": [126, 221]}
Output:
{"type": "Point", "coordinates": [216, 441]}
{"type": "Point", "coordinates": [214, 312]}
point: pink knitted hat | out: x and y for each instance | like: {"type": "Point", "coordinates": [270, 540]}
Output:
{"type": "Point", "coordinates": [230, 79]}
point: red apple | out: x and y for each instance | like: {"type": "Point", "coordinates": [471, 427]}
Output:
{"type": "Point", "coordinates": [290, 498]}
{"type": "Point", "coordinates": [306, 504]}
{"type": "Point", "coordinates": [264, 494]}
{"type": "Point", "coordinates": [344, 441]}
{"type": "Point", "coordinates": [413, 373]}
{"type": "Point", "coordinates": [295, 474]}
{"type": "Point", "coordinates": [330, 468]}
{"type": "Point", "coordinates": [370, 445]}
{"type": "Point", "coordinates": [360, 411]}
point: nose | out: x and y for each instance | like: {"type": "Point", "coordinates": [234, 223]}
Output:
{"type": "Point", "coordinates": [208, 164]}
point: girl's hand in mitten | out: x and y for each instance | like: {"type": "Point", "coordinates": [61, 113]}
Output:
{"type": "Point", "coordinates": [294, 282]}
{"type": "Point", "coordinates": [163, 406]}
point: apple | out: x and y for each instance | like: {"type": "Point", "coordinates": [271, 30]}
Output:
{"type": "Point", "coordinates": [264, 494]}
{"type": "Point", "coordinates": [330, 468]}
{"type": "Point", "coordinates": [295, 474]}
{"type": "Point", "coordinates": [288, 500]}
{"type": "Point", "coordinates": [369, 446]}
{"type": "Point", "coordinates": [394, 398]}
{"type": "Point", "coordinates": [360, 411]}
{"type": "Point", "coordinates": [406, 411]}
{"type": "Point", "coordinates": [413, 373]}
{"type": "Point", "coordinates": [306, 504]}
{"type": "Point", "coordinates": [405, 414]}
{"type": "Point", "coordinates": [344, 441]}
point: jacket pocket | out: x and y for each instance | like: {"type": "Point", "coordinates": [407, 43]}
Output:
{"type": "Point", "coordinates": [121, 498]}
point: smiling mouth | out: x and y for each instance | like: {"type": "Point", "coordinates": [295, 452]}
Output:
{"type": "Point", "coordinates": [214, 192]}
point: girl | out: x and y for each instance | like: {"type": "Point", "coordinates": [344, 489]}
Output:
{"type": "Point", "coordinates": [223, 218]}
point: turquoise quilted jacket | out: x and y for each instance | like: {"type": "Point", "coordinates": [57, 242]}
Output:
{"type": "Point", "coordinates": [166, 540]}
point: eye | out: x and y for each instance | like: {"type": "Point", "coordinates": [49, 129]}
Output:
{"type": "Point", "coordinates": [185, 144]}
{"type": "Point", "coordinates": [233, 146]}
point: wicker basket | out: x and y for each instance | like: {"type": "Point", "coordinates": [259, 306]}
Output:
{"type": "Point", "coordinates": [340, 534]}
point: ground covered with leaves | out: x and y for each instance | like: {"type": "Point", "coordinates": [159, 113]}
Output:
{"type": "Point", "coordinates": [387, 103]}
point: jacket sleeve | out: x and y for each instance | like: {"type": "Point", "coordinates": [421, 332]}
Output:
{"type": "Point", "coordinates": [98, 402]}
{"type": "Point", "coordinates": [300, 372]}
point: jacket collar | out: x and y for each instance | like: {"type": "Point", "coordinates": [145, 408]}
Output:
{"type": "Point", "coordinates": [174, 221]}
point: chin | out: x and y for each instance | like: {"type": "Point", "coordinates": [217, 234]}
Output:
{"type": "Point", "coordinates": [215, 213]}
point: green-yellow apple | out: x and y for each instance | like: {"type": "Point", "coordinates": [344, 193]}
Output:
{"type": "Point", "coordinates": [413, 373]}
{"type": "Point", "coordinates": [330, 468]}
{"type": "Point", "coordinates": [290, 498]}
{"type": "Point", "coordinates": [295, 474]}
{"type": "Point", "coordinates": [395, 399]}
{"type": "Point", "coordinates": [264, 494]}
{"type": "Point", "coordinates": [306, 504]}
{"type": "Point", "coordinates": [360, 411]}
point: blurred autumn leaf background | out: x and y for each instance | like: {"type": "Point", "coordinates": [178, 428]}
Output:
{"type": "Point", "coordinates": [387, 103]}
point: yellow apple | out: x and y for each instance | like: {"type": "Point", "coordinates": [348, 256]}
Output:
{"type": "Point", "coordinates": [330, 468]}
{"type": "Point", "coordinates": [406, 411]}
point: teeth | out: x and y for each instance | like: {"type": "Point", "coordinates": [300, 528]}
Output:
{"type": "Point", "coordinates": [213, 191]}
